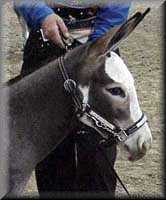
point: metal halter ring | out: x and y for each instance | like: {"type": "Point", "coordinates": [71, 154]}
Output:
{"type": "Point", "coordinates": [70, 85]}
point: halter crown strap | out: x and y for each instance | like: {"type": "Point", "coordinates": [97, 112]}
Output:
{"type": "Point", "coordinates": [69, 84]}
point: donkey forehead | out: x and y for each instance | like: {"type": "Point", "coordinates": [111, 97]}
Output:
{"type": "Point", "coordinates": [117, 70]}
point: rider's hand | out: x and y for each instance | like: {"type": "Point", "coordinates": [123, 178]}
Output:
{"type": "Point", "coordinates": [52, 27]}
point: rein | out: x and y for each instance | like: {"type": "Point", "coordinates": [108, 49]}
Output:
{"type": "Point", "coordinates": [108, 133]}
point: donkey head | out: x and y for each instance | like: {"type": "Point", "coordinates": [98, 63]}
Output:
{"type": "Point", "coordinates": [108, 87]}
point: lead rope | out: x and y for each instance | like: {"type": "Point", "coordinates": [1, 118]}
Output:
{"type": "Point", "coordinates": [70, 86]}
{"type": "Point", "coordinates": [109, 165]}
{"type": "Point", "coordinates": [101, 159]}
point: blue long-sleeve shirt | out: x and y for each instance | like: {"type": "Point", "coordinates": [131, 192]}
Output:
{"type": "Point", "coordinates": [109, 15]}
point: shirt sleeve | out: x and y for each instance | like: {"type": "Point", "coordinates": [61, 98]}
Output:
{"type": "Point", "coordinates": [33, 11]}
{"type": "Point", "coordinates": [109, 16]}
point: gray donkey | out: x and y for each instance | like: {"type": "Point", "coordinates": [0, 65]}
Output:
{"type": "Point", "coordinates": [36, 111]}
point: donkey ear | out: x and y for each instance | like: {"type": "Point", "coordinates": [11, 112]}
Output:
{"type": "Point", "coordinates": [114, 37]}
{"type": "Point", "coordinates": [126, 29]}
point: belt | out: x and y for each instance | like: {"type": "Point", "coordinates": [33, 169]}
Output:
{"type": "Point", "coordinates": [76, 18]}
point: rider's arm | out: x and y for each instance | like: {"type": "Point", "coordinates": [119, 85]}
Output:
{"type": "Point", "coordinates": [34, 12]}
{"type": "Point", "coordinates": [109, 16]}
{"type": "Point", "coordinates": [38, 14]}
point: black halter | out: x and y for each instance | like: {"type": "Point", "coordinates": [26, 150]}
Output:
{"type": "Point", "coordinates": [106, 130]}
{"type": "Point", "coordinates": [108, 133]}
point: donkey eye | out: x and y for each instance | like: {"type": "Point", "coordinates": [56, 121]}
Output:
{"type": "Point", "coordinates": [117, 91]}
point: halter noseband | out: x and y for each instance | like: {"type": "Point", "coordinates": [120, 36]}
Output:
{"type": "Point", "coordinates": [106, 130]}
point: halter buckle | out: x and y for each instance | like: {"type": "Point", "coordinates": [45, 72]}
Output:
{"type": "Point", "coordinates": [121, 136]}
{"type": "Point", "coordinates": [70, 85]}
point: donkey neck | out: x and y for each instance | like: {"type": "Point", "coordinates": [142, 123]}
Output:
{"type": "Point", "coordinates": [40, 110]}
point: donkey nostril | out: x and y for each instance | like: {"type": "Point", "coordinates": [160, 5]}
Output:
{"type": "Point", "coordinates": [144, 148]}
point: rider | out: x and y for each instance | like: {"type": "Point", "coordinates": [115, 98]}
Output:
{"type": "Point", "coordinates": [40, 14]}
{"type": "Point", "coordinates": [58, 20]}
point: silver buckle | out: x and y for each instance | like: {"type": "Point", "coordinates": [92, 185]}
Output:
{"type": "Point", "coordinates": [121, 136]}
{"type": "Point", "coordinates": [70, 85]}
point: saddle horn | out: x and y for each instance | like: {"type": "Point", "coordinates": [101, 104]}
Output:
{"type": "Point", "coordinates": [126, 28]}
